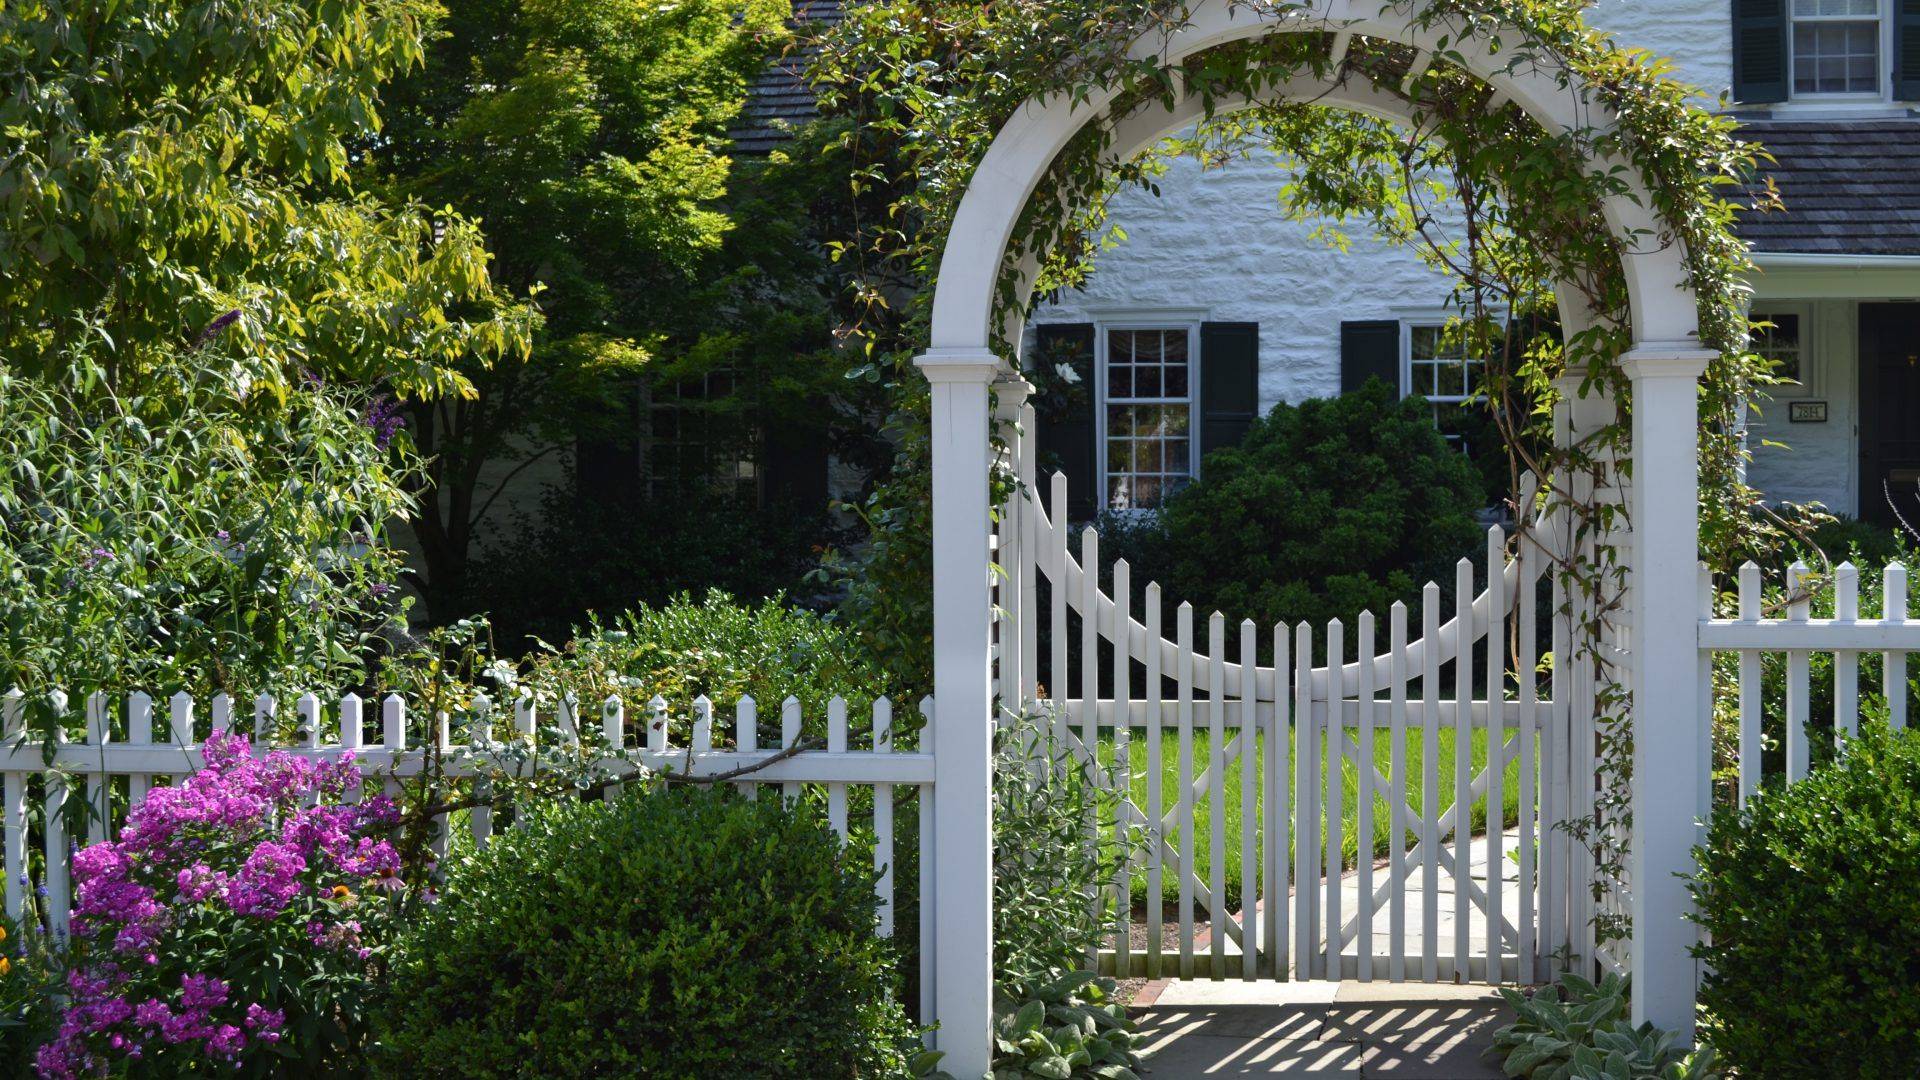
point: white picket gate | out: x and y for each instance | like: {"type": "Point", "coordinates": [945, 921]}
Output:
{"type": "Point", "coordinates": [129, 749]}
{"type": "Point", "coordinates": [1430, 910]}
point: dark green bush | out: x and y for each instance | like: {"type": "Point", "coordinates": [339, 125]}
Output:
{"type": "Point", "coordinates": [1328, 508]}
{"type": "Point", "coordinates": [1862, 542]}
{"type": "Point", "coordinates": [1810, 896]}
{"type": "Point", "coordinates": [666, 933]}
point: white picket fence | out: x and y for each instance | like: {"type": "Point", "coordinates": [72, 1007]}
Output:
{"type": "Point", "coordinates": [1756, 633]}
{"type": "Point", "coordinates": [1798, 636]}
{"type": "Point", "coordinates": [130, 748]}
{"type": "Point", "coordinates": [1300, 912]}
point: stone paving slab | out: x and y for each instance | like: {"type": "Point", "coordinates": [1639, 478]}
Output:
{"type": "Point", "coordinates": [1416, 1031]}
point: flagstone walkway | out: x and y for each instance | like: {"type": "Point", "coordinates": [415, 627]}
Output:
{"type": "Point", "coordinates": [1420, 1031]}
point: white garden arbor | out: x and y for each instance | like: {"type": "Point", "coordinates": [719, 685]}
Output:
{"type": "Point", "coordinates": [1664, 667]}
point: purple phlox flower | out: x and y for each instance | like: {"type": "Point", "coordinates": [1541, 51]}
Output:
{"type": "Point", "coordinates": [199, 881]}
{"type": "Point", "coordinates": [268, 881]}
{"type": "Point", "coordinates": [255, 833]}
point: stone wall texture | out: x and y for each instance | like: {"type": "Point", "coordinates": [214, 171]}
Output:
{"type": "Point", "coordinates": [1214, 245]}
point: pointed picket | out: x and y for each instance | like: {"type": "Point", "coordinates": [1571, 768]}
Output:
{"type": "Point", "coordinates": [883, 819]}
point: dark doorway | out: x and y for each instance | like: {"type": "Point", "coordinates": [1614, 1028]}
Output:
{"type": "Point", "coordinates": [1889, 411]}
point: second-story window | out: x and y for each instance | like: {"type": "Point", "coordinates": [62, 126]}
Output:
{"type": "Point", "coordinates": [1836, 47]}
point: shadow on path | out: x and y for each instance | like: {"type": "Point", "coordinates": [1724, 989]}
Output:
{"type": "Point", "coordinates": [1432, 1032]}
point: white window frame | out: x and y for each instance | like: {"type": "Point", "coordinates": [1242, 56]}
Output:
{"type": "Point", "coordinates": [1883, 76]}
{"type": "Point", "coordinates": [1143, 321]}
{"type": "Point", "coordinates": [1810, 367]}
{"type": "Point", "coordinates": [1424, 321]}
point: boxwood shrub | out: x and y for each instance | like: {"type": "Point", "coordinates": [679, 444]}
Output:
{"type": "Point", "coordinates": [1326, 509]}
{"type": "Point", "coordinates": [668, 933]}
{"type": "Point", "coordinates": [1811, 898]}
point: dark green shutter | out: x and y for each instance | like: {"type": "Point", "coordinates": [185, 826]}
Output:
{"type": "Point", "coordinates": [1760, 51]}
{"type": "Point", "coordinates": [1369, 350]}
{"type": "Point", "coordinates": [1065, 435]}
{"type": "Point", "coordinates": [1229, 383]}
{"type": "Point", "coordinates": [1906, 51]}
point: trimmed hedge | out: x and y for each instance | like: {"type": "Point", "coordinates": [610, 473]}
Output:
{"type": "Point", "coordinates": [1328, 508]}
{"type": "Point", "coordinates": [668, 933]}
{"type": "Point", "coordinates": [1811, 898]}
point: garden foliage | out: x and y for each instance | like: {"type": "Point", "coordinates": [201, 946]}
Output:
{"type": "Point", "coordinates": [29, 986]}
{"type": "Point", "coordinates": [235, 925]}
{"type": "Point", "coordinates": [1052, 909]}
{"type": "Point", "coordinates": [1810, 899]}
{"type": "Point", "coordinates": [668, 932]}
{"type": "Point", "coordinates": [1328, 508]}
{"type": "Point", "coordinates": [723, 649]}
{"type": "Point", "coordinates": [169, 164]}
{"type": "Point", "coordinates": [1578, 1030]}
{"type": "Point", "coordinates": [549, 572]}
{"type": "Point", "coordinates": [207, 534]}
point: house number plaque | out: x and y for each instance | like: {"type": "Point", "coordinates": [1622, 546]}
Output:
{"type": "Point", "coordinates": [1807, 412]}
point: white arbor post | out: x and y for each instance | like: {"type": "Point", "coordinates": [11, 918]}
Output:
{"type": "Point", "coordinates": [1669, 753]}
{"type": "Point", "coordinates": [962, 872]}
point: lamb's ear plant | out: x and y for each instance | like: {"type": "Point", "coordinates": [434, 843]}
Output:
{"type": "Point", "coordinates": [1072, 1027]}
{"type": "Point", "coordinates": [1052, 1018]}
{"type": "Point", "coordinates": [1580, 1030]}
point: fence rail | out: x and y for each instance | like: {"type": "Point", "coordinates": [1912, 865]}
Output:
{"type": "Point", "coordinates": [131, 745]}
{"type": "Point", "coordinates": [1758, 633]}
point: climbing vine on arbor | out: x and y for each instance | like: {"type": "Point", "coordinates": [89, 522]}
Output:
{"type": "Point", "coordinates": [1509, 211]}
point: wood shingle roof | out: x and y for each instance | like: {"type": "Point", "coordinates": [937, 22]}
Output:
{"type": "Point", "coordinates": [780, 99]}
{"type": "Point", "coordinates": [1849, 187]}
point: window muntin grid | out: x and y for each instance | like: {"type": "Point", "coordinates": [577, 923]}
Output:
{"type": "Point", "coordinates": [1149, 415]}
{"type": "Point", "coordinates": [1836, 46]}
{"type": "Point", "coordinates": [692, 450]}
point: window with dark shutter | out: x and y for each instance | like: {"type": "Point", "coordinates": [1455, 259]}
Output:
{"type": "Point", "coordinates": [1759, 51]}
{"type": "Point", "coordinates": [1065, 431]}
{"type": "Point", "coordinates": [1369, 350]}
{"type": "Point", "coordinates": [1229, 383]}
{"type": "Point", "coordinates": [795, 469]}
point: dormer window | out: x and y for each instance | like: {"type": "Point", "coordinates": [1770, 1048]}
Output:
{"type": "Point", "coordinates": [1826, 53]}
{"type": "Point", "coordinates": [1836, 47]}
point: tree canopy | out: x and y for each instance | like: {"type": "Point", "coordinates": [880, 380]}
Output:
{"type": "Point", "coordinates": [168, 164]}
{"type": "Point", "coordinates": [590, 139]}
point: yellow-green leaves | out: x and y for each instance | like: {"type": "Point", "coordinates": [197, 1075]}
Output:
{"type": "Point", "coordinates": [168, 162]}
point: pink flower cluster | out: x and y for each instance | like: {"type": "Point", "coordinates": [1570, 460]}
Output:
{"type": "Point", "coordinates": [242, 843]}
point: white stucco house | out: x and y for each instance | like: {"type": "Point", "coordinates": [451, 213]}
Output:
{"type": "Point", "coordinates": [1215, 307]}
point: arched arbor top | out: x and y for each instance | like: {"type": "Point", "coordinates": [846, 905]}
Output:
{"type": "Point", "coordinates": [1663, 309]}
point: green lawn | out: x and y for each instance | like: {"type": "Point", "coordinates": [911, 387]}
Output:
{"type": "Point", "coordinates": [1203, 814]}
